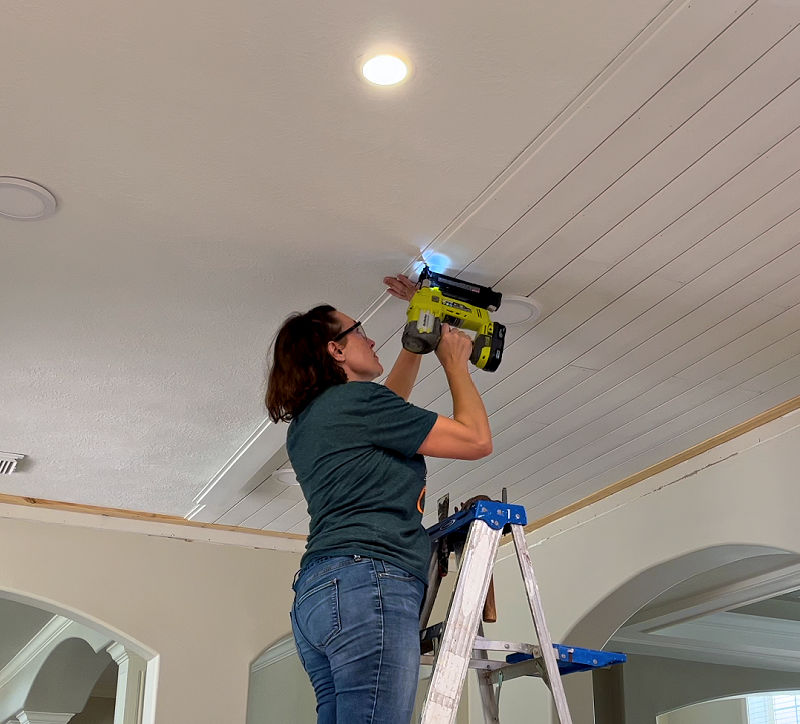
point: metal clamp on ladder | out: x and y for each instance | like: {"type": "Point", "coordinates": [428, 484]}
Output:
{"type": "Point", "coordinates": [458, 643]}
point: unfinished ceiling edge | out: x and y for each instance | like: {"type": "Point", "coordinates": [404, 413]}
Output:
{"type": "Point", "coordinates": [153, 525]}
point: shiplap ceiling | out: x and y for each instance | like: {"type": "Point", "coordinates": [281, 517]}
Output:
{"type": "Point", "coordinates": [632, 166]}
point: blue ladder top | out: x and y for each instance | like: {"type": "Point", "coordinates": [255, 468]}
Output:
{"type": "Point", "coordinates": [496, 515]}
{"type": "Point", "coordinates": [572, 659]}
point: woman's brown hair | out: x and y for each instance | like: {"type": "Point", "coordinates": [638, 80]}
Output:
{"type": "Point", "coordinates": [301, 366]}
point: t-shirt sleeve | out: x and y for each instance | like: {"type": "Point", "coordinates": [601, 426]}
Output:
{"type": "Point", "coordinates": [391, 422]}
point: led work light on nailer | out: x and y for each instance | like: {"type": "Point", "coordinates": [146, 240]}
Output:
{"type": "Point", "coordinates": [446, 300]}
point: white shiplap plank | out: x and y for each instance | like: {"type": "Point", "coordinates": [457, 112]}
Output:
{"type": "Point", "coordinates": [567, 435]}
{"type": "Point", "coordinates": [268, 490]}
{"type": "Point", "coordinates": [583, 482]}
{"type": "Point", "coordinates": [750, 372]}
{"type": "Point", "coordinates": [739, 381]}
{"type": "Point", "coordinates": [546, 483]}
{"type": "Point", "coordinates": [266, 515]}
{"type": "Point", "coordinates": [773, 169]}
{"type": "Point", "coordinates": [609, 389]}
{"type": "Point", "coordinates": [610, 382]}
{"type": "Point", "coordinates": [751, 343]}
{"type": "Point", "coordinates": [774, 376]}
{"type": "Point", "coordinates": [692, 318]}
{"type": "Point", "coordinates": [787, 295]}
{"type": "Point", "coordinates": [578, 326]}
{"type": "Point", "coordinates": [679, 34]}
{"type": "Point", "coordinates": [301, 527]}
{"type": "Point", "coordinates": [538, 396]}
{"type": "Point", "coordinates": [596, 402]}
{"type": "Point", "coordinates": [508, 430]}
{"type": "Point", "coordinates": [662, 117]}
{"type": "Point", "coordinates": [704, 286]}
{"type": "Point", "coordinates": [666, 420]}
{"type": "Point", "coordinates": [518, 355]}
{"type": "Point", "coordinates": [780, 158]}
{"type": "Point", "coordinates": [684, 167]}
{"type": "Point", "coordinates": [504, 443]}
{"type": "Point", "coordinates": [291, 517]}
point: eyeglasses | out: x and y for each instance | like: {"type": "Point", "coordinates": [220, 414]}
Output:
{"type": "Point", "coordinates": [355, 328]}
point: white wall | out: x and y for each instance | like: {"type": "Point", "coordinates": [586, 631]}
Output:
{"type": "Point", "coordinates": [206, 610]}
{"type": "Point", "coordinates": [594, 565]}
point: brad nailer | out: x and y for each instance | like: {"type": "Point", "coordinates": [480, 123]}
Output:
{"type": "Point", "coordinates": [439, 300]}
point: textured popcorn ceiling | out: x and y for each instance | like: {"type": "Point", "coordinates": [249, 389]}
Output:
{"type": "Point", "coordinates": [629, 164]}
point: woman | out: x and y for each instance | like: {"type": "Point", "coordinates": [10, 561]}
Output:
{"type": "Point", "coordinates": [357, 448]}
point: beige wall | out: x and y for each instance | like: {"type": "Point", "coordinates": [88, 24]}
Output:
{"type": "Point", "coordinates": [654, 686]}
{"type": "Point", "coordinates": [98, 710]}
{"type": "Point", "coordinates": [593, 566]}
{"type": "Point", "coordinates": [207, 610]}
{"type": "Point", "coordinates": [281, 693]}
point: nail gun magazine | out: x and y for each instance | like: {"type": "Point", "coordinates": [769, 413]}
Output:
{"type": "Point", "coordinates": [441, 300]}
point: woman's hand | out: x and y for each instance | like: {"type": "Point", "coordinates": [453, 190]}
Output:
{"type": "Point", "coordinates": [467, 435]}
{"type": "Point", "coordinates": [454, 349]}
{"type": "Point", "coordinates": [400, 286]}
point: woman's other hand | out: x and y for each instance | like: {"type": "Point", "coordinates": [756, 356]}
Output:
{"type": "Point", "coordinates": [454, 348]}
{"type": "Point", "coordinates": [400, 286]}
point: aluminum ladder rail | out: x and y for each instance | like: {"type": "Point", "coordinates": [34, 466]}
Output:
{"type": "Point", "coordinates": [462, 630]}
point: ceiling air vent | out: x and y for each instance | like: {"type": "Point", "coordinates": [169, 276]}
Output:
{"type": "Point", "coordinates": [8, 462]}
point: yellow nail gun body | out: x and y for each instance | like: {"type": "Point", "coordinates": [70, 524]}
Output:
{"type": "Point", "coordinates": [446, 300]}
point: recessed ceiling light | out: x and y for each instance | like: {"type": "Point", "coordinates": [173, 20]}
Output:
{"type": "Point", "coordinates": [385, 70]}
{"type": "Point", "coordinates": [517, 310]}
{"type": "Point", "coordinates": [25, 200]}
{"type": "Point", "coordinates": [286, 476]}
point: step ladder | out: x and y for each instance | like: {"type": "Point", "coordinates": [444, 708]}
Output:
{"type": "Point", "coordinates": [458, 643]}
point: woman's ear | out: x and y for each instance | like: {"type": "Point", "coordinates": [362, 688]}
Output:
{"type": "Point", "coordinates": [335, 352]}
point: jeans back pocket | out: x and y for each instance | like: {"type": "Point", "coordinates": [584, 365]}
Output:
{"type": "Point", "coordinates": [316, 613]}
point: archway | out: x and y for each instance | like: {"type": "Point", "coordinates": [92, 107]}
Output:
{"type": "Point", "coordinates": [664, 598]}
{"type": "Point", "coordinates": [52, 669]}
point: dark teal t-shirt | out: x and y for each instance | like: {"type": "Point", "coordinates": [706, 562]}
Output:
{"type": "Point", "coordinates": [354, 450]}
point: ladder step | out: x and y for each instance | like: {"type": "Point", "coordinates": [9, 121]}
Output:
{"type": "Point", "coordinates": [573, 658]}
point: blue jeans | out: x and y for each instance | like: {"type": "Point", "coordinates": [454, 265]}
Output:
{"type": "Point", "coordinates": [356, 626]}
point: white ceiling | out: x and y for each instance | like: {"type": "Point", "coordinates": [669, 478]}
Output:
{"type": "Point", "coordinates": [630, 165]}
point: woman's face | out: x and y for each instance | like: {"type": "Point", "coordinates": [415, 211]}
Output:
{"type": "Point", "coordinates": [354, 352]}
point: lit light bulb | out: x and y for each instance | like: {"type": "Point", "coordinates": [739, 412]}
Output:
{"type": "Point", "coordinates": [385, 70]}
